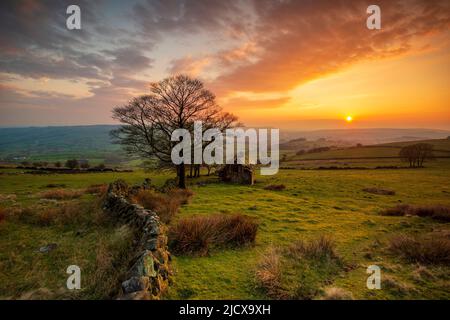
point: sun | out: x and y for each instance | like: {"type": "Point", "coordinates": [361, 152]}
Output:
{"type": "Point", "coordinates": [349, 119]}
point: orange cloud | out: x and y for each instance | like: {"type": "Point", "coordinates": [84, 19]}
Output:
{"type": "Point", "coordinates": [299, 41]}
{"type": "Point", "coordinates": [245, 103]}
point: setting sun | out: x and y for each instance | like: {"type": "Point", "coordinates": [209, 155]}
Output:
{"type": "Point", "coordinates": [349, 119]}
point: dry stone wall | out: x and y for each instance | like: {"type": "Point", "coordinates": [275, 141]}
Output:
{"type": "Point", "coordinates": [150, 273]}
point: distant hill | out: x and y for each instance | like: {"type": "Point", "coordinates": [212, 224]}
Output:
{"type": "Point", "coordinates": [366, 136]}
{"type": "Point", "coordinates": [389, 150]}
{"type": "Point", "coordinates": [58, 143]}
{"type": "Point", "coordinates": [94, 143]}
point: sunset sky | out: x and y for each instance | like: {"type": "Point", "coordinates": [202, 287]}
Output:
{"type": "Point", "coordinates": [289, 64]}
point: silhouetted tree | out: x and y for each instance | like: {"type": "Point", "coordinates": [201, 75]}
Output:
{"type": "Point", "coordinates": [85, 165]}
{"type": "Point", "coordinates": [72, 164]}
{"type": "Point", "coordinates": [416, 154]}
{"type": "Point", "coordinates": [101, 166]}
{"type": "Point", "coordinates": [58, 164]}
{"type": "Point", "coordinates": [174, 103]}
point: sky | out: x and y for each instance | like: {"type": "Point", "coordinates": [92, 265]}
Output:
{"type": "Point", "coordinates": [274, 63]}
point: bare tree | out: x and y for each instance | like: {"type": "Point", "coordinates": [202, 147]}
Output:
{"type": "Point", "coordinates": [425, 152]}
{"type": "Point", "coordinates": [408, 154]}
{"type": "Point", "coordinates": [173, 103]}
{"type": "Point", "coordinates": [416, 154]}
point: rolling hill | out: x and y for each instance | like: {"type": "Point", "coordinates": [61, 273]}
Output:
{"type": "Point", "coordinates": [365, 136]}
{"type": "Point", "coordinates": [94, 143]}
{"type": "Point", "coordinates": [389, 150]}
{"type": "Point", "coordinates": [57, 143]}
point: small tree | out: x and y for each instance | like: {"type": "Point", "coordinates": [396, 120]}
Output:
{"type": "Point", "coordinates": [101, 166]}
{"type": "Point", "coordinates": [408, 154]}
{"type": "Point", "coordinates": [425, 152]}
{"type": "Point", "coordinates": [72, 164]}
{"type": "Point", "coordinates": [416, 154]}
{"type": "Point", "coordinates": [57, 164]}
{"type": "Point", "coordinates": [85, 165]}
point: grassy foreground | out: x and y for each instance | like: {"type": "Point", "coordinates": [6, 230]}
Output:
{"type": "Point", "coordinates": [318, 203]}
{"type": "Point", "coordinates": [314, 203]}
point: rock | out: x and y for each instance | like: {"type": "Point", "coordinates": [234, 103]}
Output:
{"type": "Point", "coordinates": [48, 248]}
{"type": "Point", "coordinates": [144, 266]}
{"type": "Point", "coordinates": [139, 295]}
{"type": "Point", "coordinates": [135, 284]}
{"type": "Point", "coordinates": [151, 244]}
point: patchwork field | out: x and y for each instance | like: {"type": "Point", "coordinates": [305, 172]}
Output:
{"type": "Point", "coordinates": [361, 156]}
{"type": "Point", "coordinates": [314, 203]}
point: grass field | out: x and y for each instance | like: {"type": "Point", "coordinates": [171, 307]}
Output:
{"type": "Point", "coordinates": [368, 156]}
{"type": "Point", "coordinates": [23, 269]}
{"type": "Point", "coordinates": [314, 203]}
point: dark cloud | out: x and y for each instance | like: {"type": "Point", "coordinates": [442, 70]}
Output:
{"type": "Point", "coordinates": [156, 17]}
{"type": "Point", "coordinates": [129, 59]}
{"type": "Point", "coordinates": [34, 34]}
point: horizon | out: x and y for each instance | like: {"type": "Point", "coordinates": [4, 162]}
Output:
{"type": "Point", "coordinates": [283, 129]}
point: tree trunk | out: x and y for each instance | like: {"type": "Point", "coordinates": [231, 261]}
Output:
{"type": "Point", "coordinates": [197, 171]}
{"type": "Point", "coordinates": [181, 176]}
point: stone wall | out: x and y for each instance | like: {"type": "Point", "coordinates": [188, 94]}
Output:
{"type": "Point", "coordinates": [150, 272]}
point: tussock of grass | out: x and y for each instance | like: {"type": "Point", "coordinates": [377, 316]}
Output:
{"type": "Point", "coordinates": [55, 185]}
{"type": "Point", "coordinates": [320, 248]}
{"type": "Point", "coordinates": [3, 214]}
{"type": "Point", "coordinates": [68, 214]}
{"type": "Point", "coordinates": [434, 250]}
{"type": "Point", "coordinates": [397, 211]}
{"type": "Point", "coordinates": [299, 270]}
{"type": "Point", "coordinates": [268, 273]}
{"type": "Point", "coordinates": [392, 284]}
{"type": "Point", "coordinates": [337, 294]}
{"type": "Point", "coordinates": [379, 191]}
{"type": "Point", "coordinates": [165, 205]}
{"type": "Point", "coordinates": [436, 212]}
{"type": "Point", "coordinates": [196, 235]}
{"type": "Point", "coordinates": [111, 266]}
{"type": "Point", "coordinates": [61, 194]}
{"type": "Point", "coordinates": [275, 187]}
{"type": "Point", "coordinates": [99, 189]}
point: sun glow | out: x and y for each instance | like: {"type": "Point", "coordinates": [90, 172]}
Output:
{"type": "Point", "coordinates": [349, 119]}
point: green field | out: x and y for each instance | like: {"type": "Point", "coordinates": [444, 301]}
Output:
{"type": "Point", "coordinates": [314, 203]}
{"type": "Point", "coordinates": [363, 156]}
